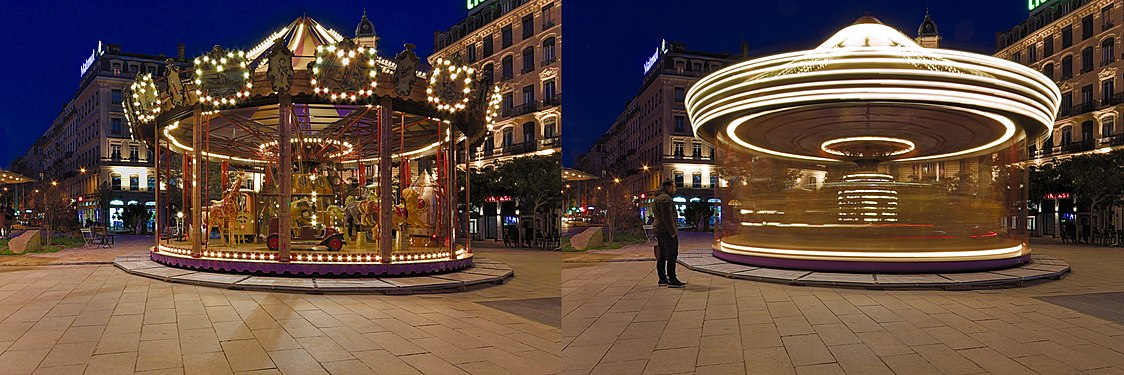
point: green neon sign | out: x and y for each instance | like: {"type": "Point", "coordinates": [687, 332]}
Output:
{"type": "Point", "coordinates": [1031, 4]}
{"type": "Point", "coordinates": [473, 3]}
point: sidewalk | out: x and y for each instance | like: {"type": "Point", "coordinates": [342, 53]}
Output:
{"type": "Point", "coordinates": [91, 254]}
{"type": "Point", "coordinates": [688, 242]}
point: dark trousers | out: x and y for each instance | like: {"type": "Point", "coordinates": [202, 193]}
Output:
{"type": "Point", "coordinates": [665, 260]}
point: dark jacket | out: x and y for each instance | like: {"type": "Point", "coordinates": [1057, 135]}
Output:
{"type": "Point", "coordinates": [663, 211]}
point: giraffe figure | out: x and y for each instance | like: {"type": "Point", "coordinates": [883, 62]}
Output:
{"type": "Point", "coordinates": [222, 213]}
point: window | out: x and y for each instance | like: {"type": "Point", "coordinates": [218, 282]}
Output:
{"type": "Point", "coordinates": [549, 91]}
{"type": "Point", "coordinates": [528, 95]}
{"type": "Point", "coordinates": [696, 180]}
{"type": "Point", "coordinates": [1108, 88]}
{"type": "Point", "coordinates": [678, 179]}
{"type": "Point", "coordinates": [508, 102]}
{"type": "Point", "coordinates": [115, 181]}
{"type": "Point", "coordinates": [1067, 67]}
{"type": "Point", "coordinates": [678, 149]}
{"type": "Point", "coordinates": [489, 144]}
{"type": "Point", "coordinates": [1108, 126]}
{"type": "Point", "coordinates": [1087, 60]}
{"type": "Point", "coordinates": [1087, 130]}
{"type": "Point", "coordinates": [1048, 70]}
{"type": "Point", "coordinates": [1087, 94]}
{"type": "Point", "coordinates": [489, 74]}
{"type": "Point", "coordinates": [548, 52]}
{"type": "Point", "coordinates": [548, 126]}
{"type": "Point", "coordinates": [1031, 53]}
{"type": "Point", "coordinates": [505, 36]}
{"type": "Point", "coordinates": [529, 132]}
{"type": "Point", "coordinates": [547, 16]}
{"type": "Point", "coordinates": [1108, 51]}
{"type": "Point", "coordinates": [115, 152]}
{"type": "Point", "coordinates": [1048, 46]}
{"type": "Point", "coordinates": [697, 67]}
{"type": "Point", "coordinates": [528, 59]}
{"type": "Point", "coordinates": [152, 182]}
{"type": "Point", "coordinates": [711, 153]}
{"type": "Point", "coordinates": [470, 52]}
{"type": "Point", "coordinates": [116, 67]}
{"type": "Point", "coordinates": [696, 150]}
{"type": "Point", "coordinates": [1067, 37]}
{"type": "Point", "coordinates": [1106, 18]}
{"type": "Point", "coordinates": [488, 50]}
{"type": "Point", "coordinates": [1067, 101]}
{"type": "Point", "coordinates": [507, 66]}
{"type": "Point", "coordinates": [1017, 57]}
{"type": "Point", "coordinates": [528, 26]}
{"type": "Point", "coordinates": [1067, 135]}
{"type": "Point", "coordinates": [508, 137]}
{"type": "Point", "coordinates": [1087, 27]}
{"type": "Point", "coordinates": [134, 182]}
{"type": "Point", "coordinates": [679, 93]}
{"type": "Point", "coordinates": [115, 97]}
{"type": "Point", "coordinates": [680, 123]}
{"type": "Point", "coordinates": [1048, 144]}
{"type": "Point", "coordinates": [713, 180]}
{"type": "Point", "coordinates": [134, 152]}
{"type": "Point", "coordinates": [115, 126]}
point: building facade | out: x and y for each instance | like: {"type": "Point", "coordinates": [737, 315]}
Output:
{"type": "Point", "coordinates": [1074, 42]}
{"type": "Point", "coordinates": [517, 45]}
{"type": "Point", "coordinates": [652, 140]}
{"type": "Point", "coordinates": [89, 144]}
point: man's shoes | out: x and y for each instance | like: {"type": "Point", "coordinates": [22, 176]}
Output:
{"type": "Point", "coordinates": [677, 284]}
{"type": "Point", "coordinates": [663, 283]}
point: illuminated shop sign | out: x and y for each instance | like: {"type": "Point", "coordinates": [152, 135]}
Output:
{"type": "Point", "coordinates": [473, 3]}
{"type": "Point", "coordinates": [1032, 4]}
{"type": "Point", "coordinates": [90, 60]}
{"type": "Point", "coordinates": [655, 56]}
{"type": "Point", "coordinates": [1056, 196]}
{"type": "Point", "coordinates": [494, 199]}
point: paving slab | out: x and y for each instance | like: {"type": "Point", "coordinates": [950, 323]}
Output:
{"type": "Point", "coordinates": [1041, 267]}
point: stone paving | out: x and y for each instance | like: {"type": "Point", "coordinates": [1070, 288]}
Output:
{"type": "Point", "coordinates": [96, 319]}
{"type": "Point", "coordinates": [616, 320]}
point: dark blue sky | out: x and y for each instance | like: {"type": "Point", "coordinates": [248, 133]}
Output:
{"type": "Point", "coordinates": [46, 41]}
{"type": "Point", "coordinates": [607, 41]}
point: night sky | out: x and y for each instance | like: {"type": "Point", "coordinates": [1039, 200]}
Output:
{"type": "Point", "coordinates": [603, 60]}
{"type": "Point", "coordinates": [46, 42]}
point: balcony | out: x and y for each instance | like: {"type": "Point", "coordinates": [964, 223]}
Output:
{"type": "Point", "coordinates": [1082, 108]}
{"type": "Point", "coordinates": [1078, 146]}
{"type": "Point", "coordinates": [520, 148]}
{"type": "Point", "coordinates": [548, 24]}
{"type": "Point", "coordinates": [1113, 100]}
{"type": "Point", "coordinates": [1113, 140]}
{"type": "Point", "coordinates": [521, 109]}
{"type": "Point", "coordinates": [551, 142]}
{"type": "Point", "coordinates": [552, 101]}
{"type": "Point", "coordinates": [549, 61]}
{"type": "Point", "coordinates": [688, 157]}
{"type": "Point", "coordinates": [527, 69]}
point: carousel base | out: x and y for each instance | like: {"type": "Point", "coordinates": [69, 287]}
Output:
{"type": "Point", "coordinates": [482, 273]}
{"type": "Point", "coordinates": [1037, 268]}
{"type": "Point", "coordinates": [256, 259]}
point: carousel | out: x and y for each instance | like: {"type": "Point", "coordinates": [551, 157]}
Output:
{"type": "Point", "coordinates": [310, 154]}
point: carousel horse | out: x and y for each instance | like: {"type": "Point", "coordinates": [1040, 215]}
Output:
{"type": "Point", "coordinates": [222, 213]}
{"type": "Point", "coordinates": [335, 215]}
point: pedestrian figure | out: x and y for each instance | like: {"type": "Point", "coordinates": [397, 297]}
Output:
{"type": "Point", "coordinates": [666, 227]}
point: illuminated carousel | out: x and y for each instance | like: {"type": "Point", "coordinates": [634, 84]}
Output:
{"type": "Point", "coordinates": [310, 154]}
{"type": "Point", "coordinates": [870, 153]}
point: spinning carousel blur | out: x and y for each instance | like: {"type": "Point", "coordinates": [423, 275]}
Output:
{"type": "Point", "coordinates": [309, 154]}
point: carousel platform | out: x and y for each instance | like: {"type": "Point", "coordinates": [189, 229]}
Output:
{"type": "Point", "coordinates": [1040, 268]}
{"type": "Point", "coordinates": [481, 273]}
{"type": "Point", "coordinates": [259, 260]}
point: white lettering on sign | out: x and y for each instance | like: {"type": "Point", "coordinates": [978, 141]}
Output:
{"type": "Point", "coordinates": [90, 60]}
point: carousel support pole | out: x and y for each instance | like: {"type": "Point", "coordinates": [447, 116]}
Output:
{"type": "Point", "coordinates": [386, 201]}
{"type": "Point", "coordinates": [196, 197]}
{"type": "Point", "coordinates": [285, 169]}
{"type": "Point", "coordinates": [451, 188]}
{"type": "Point", "coordinates": [156, 195]}
{"type": "Point", "coordinates": [467, 198]}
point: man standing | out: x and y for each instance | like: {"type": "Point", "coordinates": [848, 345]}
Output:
{"type": "Point", "coordinates": [666, 227]}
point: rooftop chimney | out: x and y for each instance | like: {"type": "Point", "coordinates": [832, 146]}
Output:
{"type": "Point", "coordinates": [179, 51]}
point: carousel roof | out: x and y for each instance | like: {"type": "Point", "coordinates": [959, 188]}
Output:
{"type": "Point", "coordinates": [301, 36]}
{"type": "Point", "coordinates": [9, 178]}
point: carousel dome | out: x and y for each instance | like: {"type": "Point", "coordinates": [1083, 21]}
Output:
{"type": "Point", "coordinates": [871, 87]}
